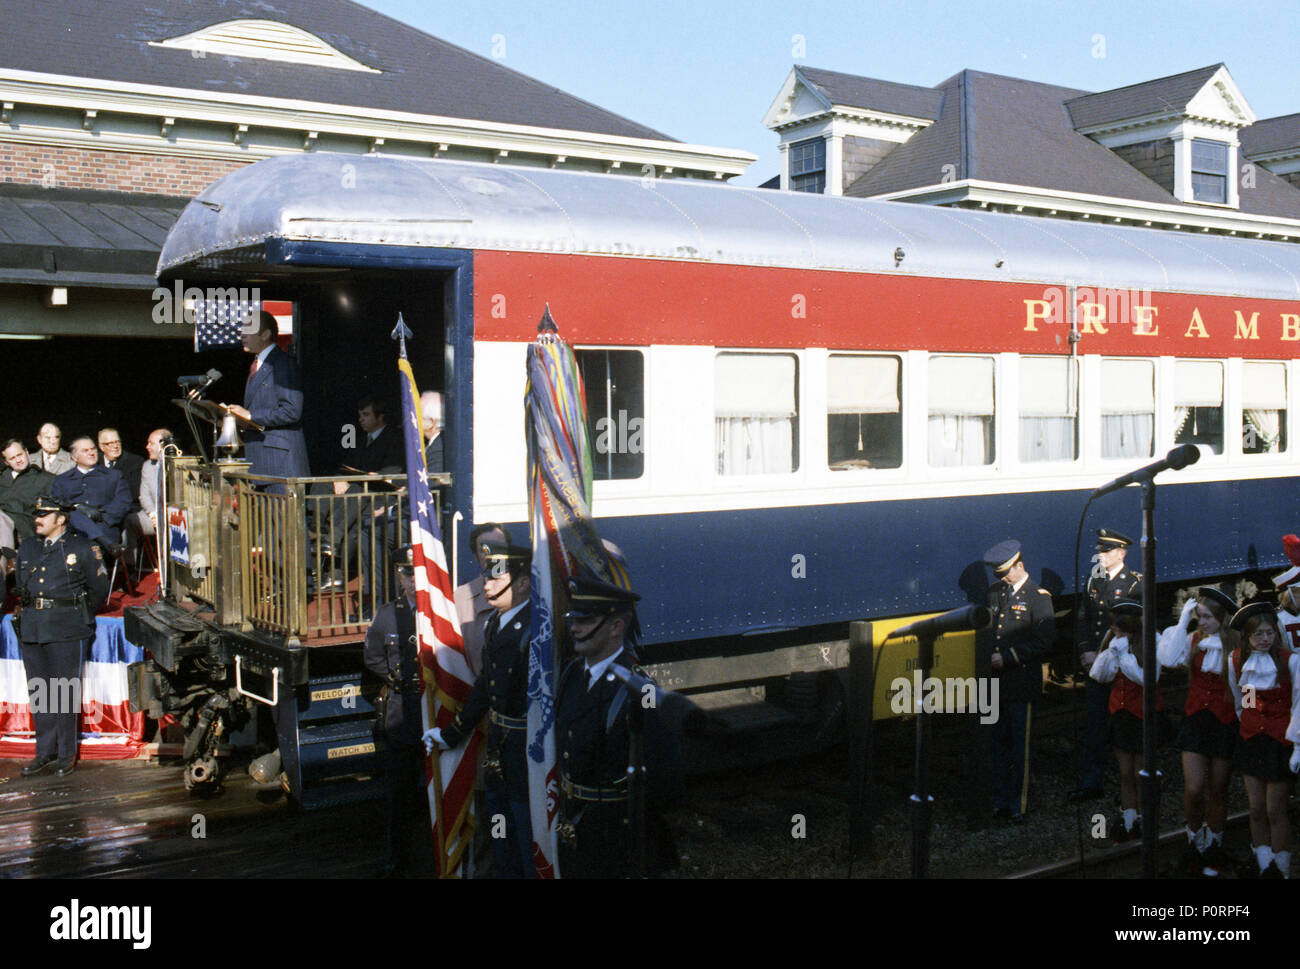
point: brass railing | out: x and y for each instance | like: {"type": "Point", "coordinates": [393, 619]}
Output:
{"type": "Point", "coordinates": [309, 558]}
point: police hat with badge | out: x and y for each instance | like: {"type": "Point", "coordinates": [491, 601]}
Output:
{"type": "Point", "coordinates": [1108, 540]}
{"type": "Point", "coordinates": [47, 504]}
{"type": "Point", "coordinates": [591, 598]}
{"type": "Point", "coordinates": [404, 559]}
{"type": "Point", "coordinates": [501, 559]}
{"type": "Point", "coordinates": [1002, 556]}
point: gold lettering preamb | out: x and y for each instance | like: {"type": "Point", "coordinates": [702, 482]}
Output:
{"type": "Point", "coordinates": [1291, 326]}
{"type": "Point", "coordinates": [1144, 321]}
{"type": "Point", "coordinates": [1197, 325]}
{"type": "Point", "coordinates": [1035, 310]}
{"type": "Point", "coordinates": [1092, 318]}
{"type": "Point", "coordinates": [1246, 331]}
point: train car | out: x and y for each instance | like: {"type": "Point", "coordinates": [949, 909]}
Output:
{"type": "Point", "coordinates": [806, 410]}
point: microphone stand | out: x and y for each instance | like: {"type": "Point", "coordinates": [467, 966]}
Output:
{"type": "Point", "coordinates": [1150, 774]}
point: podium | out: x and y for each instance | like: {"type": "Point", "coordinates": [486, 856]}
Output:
{"type": "Point", "coordinates": [225, 425]}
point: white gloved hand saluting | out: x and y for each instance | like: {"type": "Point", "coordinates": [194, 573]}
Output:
{"type": "Point", "coordinates": [433, 740]}
{"type": "Point", "coordinates": [1189, 607]}
{"type": "Point", "coordinates": [1295, 761]}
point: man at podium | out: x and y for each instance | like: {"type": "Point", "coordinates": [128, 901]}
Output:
{"type": "Point", "coordinates": [272, 399]}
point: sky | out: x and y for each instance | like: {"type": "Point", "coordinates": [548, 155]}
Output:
{"type": "Point", "coordinates": [706, 73]}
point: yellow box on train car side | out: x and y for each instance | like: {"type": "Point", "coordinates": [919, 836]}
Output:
{"type": "Point", "coordinates": [898, 684]}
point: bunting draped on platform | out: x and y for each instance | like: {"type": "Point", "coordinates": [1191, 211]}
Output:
{"type": "Point", "coordinates": [565, 544]}
{"type": "Point", "coordinates": [445, 677]}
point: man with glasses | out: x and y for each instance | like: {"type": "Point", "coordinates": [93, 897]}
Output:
{"type": "Point", "coordinates": [21, 483]}
{"type": "Point", "coordinates": [112, 456]}
{"type": "Point", "coordinates": [61, 578]}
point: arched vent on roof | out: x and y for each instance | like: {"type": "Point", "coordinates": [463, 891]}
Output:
{"type": "Point", "coordinates": [266, 39]}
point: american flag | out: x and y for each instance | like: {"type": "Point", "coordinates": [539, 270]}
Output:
{"type": "Point", "coordinates": [218, 322]}
{"type": "Point", "coordinates": [444, 672]}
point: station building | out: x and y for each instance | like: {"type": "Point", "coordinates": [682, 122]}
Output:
{"type": "Point", "coordinates": [1183, 153]}
{"type": "Point", "coordinates": [113, 114]}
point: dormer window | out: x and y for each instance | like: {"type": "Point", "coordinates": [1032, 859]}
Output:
{"type": "Point", "coordinates": [1209, 171]}
{"type": "Point", "coordinates": [808, 166]}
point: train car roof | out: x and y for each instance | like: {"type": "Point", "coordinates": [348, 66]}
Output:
{"type": "Point", "coordinates": [378, 200]}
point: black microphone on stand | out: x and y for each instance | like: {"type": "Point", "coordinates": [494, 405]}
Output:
{"type": "Point", "coordinates": [198, 383]}
{"type": "Point", "coordinates": [1177, 459]}
{"type": "Point", "coordinates": [967, 617]}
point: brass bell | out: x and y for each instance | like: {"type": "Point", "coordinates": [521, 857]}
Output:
{"type": "Point", "coordinates": [229, 438]}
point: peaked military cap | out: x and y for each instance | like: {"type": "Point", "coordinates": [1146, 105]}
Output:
{"type": "Point", "coordinates": [591, 597]}
{"type": "Point", "coordinates": [1127, 607]}
{"type": "Point", "coordinates": [1218, 595]}
{"type": "Point", "coordinates": [404, 558]}
{"type": "Point", "coordinates": [501, 558]}
{"type": "Point", "coordinates": [1002, 556]}
{"type": "Point", "coordinates": [1246, 613]}
{"type": "Point", "coordinates": [1108, 540]}
{"type": "Point", "coordinates": [45, 504]}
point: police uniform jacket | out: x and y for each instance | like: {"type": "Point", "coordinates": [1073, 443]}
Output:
{"type": "Point", "coordinates": [131, 466]}
{"type": "Point", "coordinates": [591, 735]}
{"type": "Point", "coordinates": [391, 654]}
{"type": "Point", "coordinates": [1103, 592]}
{"type": "Point", "coordinates": [102, 488]}
{"type": "Point", "coordinates": [69, 578]}
{"type": "Point", "coordinates": [18, 494]}
{"type": "Point", "coordinates": [1023, 630]}
{"type": "Point", "coordinates": [273, 398]}
{"type": "Point", "coordinates": [502, 685]}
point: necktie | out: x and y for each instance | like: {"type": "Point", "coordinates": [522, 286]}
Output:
{"type": "Point", "coordinates": [252, 367]}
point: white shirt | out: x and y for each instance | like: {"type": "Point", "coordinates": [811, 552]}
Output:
{"type": "Point", "coordinates": [508, 615]}
{"type": "Point", "coordinates": [594, 673]}
{"type": "Point", "coordinates": [263, 354]}
{"type": "Point", "coordinates": [1260, 671]}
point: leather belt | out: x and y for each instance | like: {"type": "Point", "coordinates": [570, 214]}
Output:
{"type": "Point", "coordinates": [507, 723]}
{"type": "Point", "coordinates": [596, 795]}
{"type": "Point", "coordinates": [36, 602]}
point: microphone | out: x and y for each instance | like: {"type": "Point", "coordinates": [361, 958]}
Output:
{"type": "Point", "coordinates": [1177, 459]}
{"type": "Point", "coordinates": [681, 714]}
{"type": "Point", "coordinates": [958, 620]}
{"type": "Point", "coordinates": [198, 383]}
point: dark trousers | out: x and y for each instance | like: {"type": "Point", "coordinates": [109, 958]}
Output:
{"type": "Point", "coordinates": [1010, 756]}
{"type": "Point", "coordinates": [512, 856]}
{"type": "Point", "coordinates": [1096, 700]}
{"type": "Point", "coordinates": [410, 835]}
{"type": "Point", "coordinates": [54, 691]}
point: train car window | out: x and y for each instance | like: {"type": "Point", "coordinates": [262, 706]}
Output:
{"type": "Point", "coordinates": [864, 420]}
{"type": "Point", "coordinates": [1198, 403]}
{"type": "Point", "coordinates": [961, 411]}
{"type": "Point", "coordinates": [1128, 408]}
{"type": "Point", "coordinates": [1263, 407]}
{"type": "Point", "coordinates": [755, 413]}
{"type": "Point", "coordinates": [615, 382]}
{"type": "Point", "coordinates": [1209, 170]}
{"type": "Point", "coordinates": [1049, 407]}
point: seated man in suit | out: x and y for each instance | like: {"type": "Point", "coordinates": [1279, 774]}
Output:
{"type": "Point", "coordinates": [51, 457]}
{"type": "Point", "coordinates": [99, 495]}
{"type": "Point", "coordinates": [111, 455]}
{"type": "Point", "coordinates": [431, 411]}
{"type": "Point", "coordinates": [21, 483]}
{"type": "Point", "coordinates": [273, 399]}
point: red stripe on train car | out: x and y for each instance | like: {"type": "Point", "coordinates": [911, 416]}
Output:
{"type": "Point", "coordinates": [636, 302]}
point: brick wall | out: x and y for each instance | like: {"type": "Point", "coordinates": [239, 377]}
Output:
{"type": "Point", "coordinates": [861, 155]}
{"type": "Point", "coordinates": [1154, 159]}
{"type": "Point", "coordinates": [117, 171]}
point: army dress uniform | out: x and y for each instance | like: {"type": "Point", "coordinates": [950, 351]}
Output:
{"type": "Point", "coordinates": [501, 694]}
{"type": "Point", "coordinates": [61, 581]}
{"type": "Point", "coordinates": [1104, 590]}
{"type": "Point", "coordinates": [1023, 629]}
{"type": "Point", "coordinates": [391, 654]}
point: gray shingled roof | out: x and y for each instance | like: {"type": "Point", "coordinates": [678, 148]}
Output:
{"type": "Point", "coordinates": [1164, 95]}
{"type": "Point", "coordinates": [109, 40]}
{"type": "Point", "coordinates": [67, 237]}
{"type": "Point", "coordinates": [1270, 135]}
{"type": "Point", "coordinates": [868, 92]}
{"type": "Point", "coordinates": [1004, 129]}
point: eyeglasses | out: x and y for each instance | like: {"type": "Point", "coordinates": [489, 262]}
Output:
{"type": "Point", "coordinates": [1263, 633]}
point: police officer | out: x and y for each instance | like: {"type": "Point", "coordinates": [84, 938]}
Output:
{"type": "Point", "coordinates": [591, 729]}
{"type": "Point", "coordinates": [61, 578]}
{"type": "Point", "coordinates": [392, 654]}
{"type": "Point", "coordinates": [99, 496]}
{"type": "Point", "coordinates": [1111, 581]}
{"type": "Point", "coordinates": [501, 692]}
{"type": "Point", "coordinates": [1023, 630]}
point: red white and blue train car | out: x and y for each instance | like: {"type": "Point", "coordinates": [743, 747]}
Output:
{"type": "Point", "coordinates": [807, 410]}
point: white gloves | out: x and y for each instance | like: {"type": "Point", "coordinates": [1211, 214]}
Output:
{"type": "Point", "coordinates": [433, 741]}
{"type": "Point", "coordinates": [1189, 607]}
{"type": "Point", "coordinates": [1295, 761]}
{"type": "Point", "coordinates": [1120, 645]}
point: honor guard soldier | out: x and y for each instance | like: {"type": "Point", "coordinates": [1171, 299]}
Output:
{"type": "Point", "coordinates": [501, 692]}
{"type": "Point", "coordinates": [592, 743]}
{"type": "Point", "coordinates": [61, 578]}
{"type": "Point", "coordinates": [1023, 630]}
{"type": "Point", "coordinates": [391, 653]}
{"type": "Point", "coordinates": [1111, 581]}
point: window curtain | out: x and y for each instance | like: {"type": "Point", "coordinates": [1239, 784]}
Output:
{"type": "Point", "coordinates": [754, 413]}
{"type": "Point", "coordinates": [959, 440]}
{"type": "Point", "coordinates": [1127, 435]}
{"type": "Point", "coordinates": [1048, 390]}
{"type": "Point", "coordinates": [961, 411]}
{"type": "Point", "coordinates": [754, 445]}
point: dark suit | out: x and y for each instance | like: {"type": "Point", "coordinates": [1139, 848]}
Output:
{"type": "Point", "coordinates": [102, 488]}
{"type": "Point", "coordinates": [18, 494]}
{"type": "Point", "coordinates": [502, 689]}
{"type": "Point", "coordinates": [591, 738]}
{"type": "Point", "coordinates": [433, 456]}
{"type": "Point", "coordinates": [385, 454]}
{"type": "Point", "coordinates": [1103, 592]}
{"type": "Point", "coordinates": [1024, 628]}
{"type": "Point", "coordinates": [62, 584]}
{"type": "Point", "coordinates": [273, 398]}
{"type": "Point", "coordinates": [131, 466]}
{"type": "Point", "coordinates": [390, 653]}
